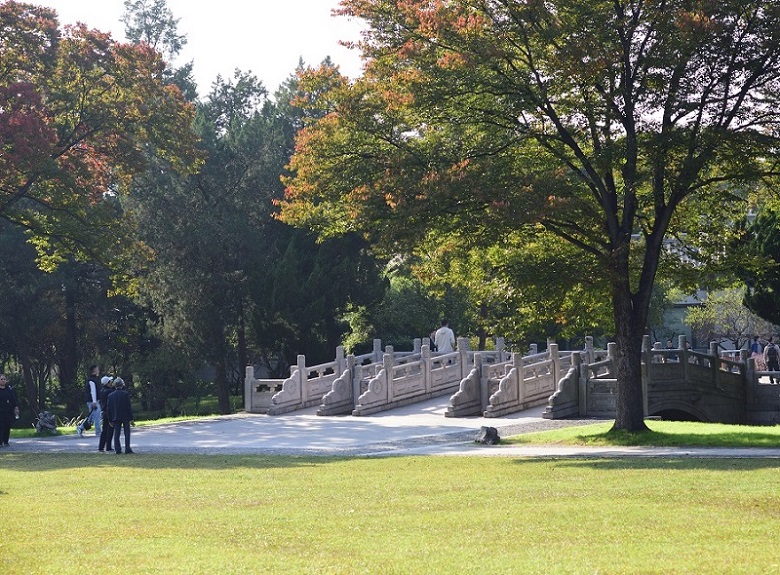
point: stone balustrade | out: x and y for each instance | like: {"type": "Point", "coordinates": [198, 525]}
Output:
{"type": "Point", "coordinates": [705, 385]}
{"type": "Point", "coordinates": [367, 383]}
{"type": "Point", "coordinates": [496, 389]}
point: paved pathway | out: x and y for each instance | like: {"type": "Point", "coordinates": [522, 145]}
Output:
{"type": "Point", "coordinates": [417, 429]}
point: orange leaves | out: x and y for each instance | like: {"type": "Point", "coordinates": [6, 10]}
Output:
{"type": "Point", "coordinates": [471, 23]}
{"type": "Point", "coordinates": [391, 199]}
{"type": "Point", "coordinates": [26, 139]}
{"type": "Point", "coordinates": [430, 17]}
{"type": "Point", "coordinates": [455, 173]}
{"type": "Point", "coordinates": [458, 171]}
{"type": "Point", "coordinates": [453, 61]}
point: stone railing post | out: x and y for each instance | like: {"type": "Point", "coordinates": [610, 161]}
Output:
{"type": "Point", "coordinates": [302, 378]}
{"type": "Point", "coordinates": [647, 355]}
{"type": "Point", "coordinates": [749, 376]}
{"type": "Point", "coordinates": [552, 349]}
{"type": "Point", "coordinates": [715, 359]}
{"type": "Point", "coordinates": [682, 342]}
{"type": "Point", "coordinates": [377, 351]}
{"type": "Point", "coordinates": [388, 361]}
{"type": "Point", "coordinates": [357, 378]}
{"type": "Point", "coordinates": [463, 356]}
{"type": "Point", "coordinates": [657, 358]}
{"type": "Point", "coordinates": [353, 372]}
{"type": "Point", "coordinates": [517, 362]}
{"type": "Point", "coordinates": [427, 366]}
{"type": "Point", "coordinates": [590, 354]}
{"type": "Point", "coordinates": [501, 349]}
{"type": "Point", "coordinates": [533, 349]}
{"type": "Point", "coordinates": [417, 343]}
{"type": "Point", "coordinates": [249, 378]}
{"type": "Point", "coordinates": [484, 392]}
{"type": "Point", "coordinates": [583, 376]}
{"type": "Point", "coordinates": [582, 381]}
{"type": "Point", "coordinates": [341, 362]}
{"type": "Point", "coordinates": [612, 353]}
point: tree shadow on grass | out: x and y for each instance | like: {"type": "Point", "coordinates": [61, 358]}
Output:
{"type": "Point", "coordinates": [607, 462]}
{"type": "Point", "coordinates": [723, 438]}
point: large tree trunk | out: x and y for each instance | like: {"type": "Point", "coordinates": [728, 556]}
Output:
{"type": "Point", "coordinates": [30, 386]}
{"type": "Point", "coordinates": [243, 356]}
{"type": "Point", "coordinates": [629, 329]}
{"type": "Point", "coordinates": [43, 380]}
{"type": "Point", "coordinates": [630, 402]}
{"type": "Point", "coordinates": [220, 379]}
{"type": "Point", "coordinates": [68, 358]}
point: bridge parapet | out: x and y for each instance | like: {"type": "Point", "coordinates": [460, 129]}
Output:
{"type": "Point", "coordinates": [413, 377]}
{"type": "Point", "coordinates": [703, 384]}
{"type": "Point", "coordinates": [519, 382]}
{"type": "Point", "coordinates": [305, 386]}
{"type": "Point", "coordinates": [374, 381]}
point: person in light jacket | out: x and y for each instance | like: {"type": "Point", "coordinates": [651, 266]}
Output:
{"type": "Point", "coordinates": [444, 338]}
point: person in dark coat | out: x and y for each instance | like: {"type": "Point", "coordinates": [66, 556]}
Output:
{"type": "Point", "coordinates": [106, 389]}
{"type": "Point", "coordinates": [9, 407]}
{"type": "Point", "coordinates": [120, 414]}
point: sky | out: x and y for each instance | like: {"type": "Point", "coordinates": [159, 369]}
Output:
{"type": "Point", "coordinates": [266, 37]}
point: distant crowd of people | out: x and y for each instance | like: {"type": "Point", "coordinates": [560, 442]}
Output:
{"type": "Point", "coordinates": [766, 357]}
{"type": "Point", "coordinates": [110, 411]}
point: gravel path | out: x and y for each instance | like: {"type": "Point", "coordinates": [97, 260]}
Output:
{"type": "Point", "coordinates": [419, 430]}
{"type": "Point", "coordinates": [252, 435]}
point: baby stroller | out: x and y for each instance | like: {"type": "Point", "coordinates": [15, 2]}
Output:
{"type": "Point", "coordinates": [86, 425]}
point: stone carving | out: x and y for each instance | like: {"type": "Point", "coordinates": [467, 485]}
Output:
{"type": "Point", "coordinates": [466, 400]}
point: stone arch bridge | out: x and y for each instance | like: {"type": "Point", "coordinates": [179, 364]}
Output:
{"type": "Point", "coordinates": [677, 383]}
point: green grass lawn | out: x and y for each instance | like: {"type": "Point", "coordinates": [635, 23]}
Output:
{"type": "Point", "coordinates": [164, 514]}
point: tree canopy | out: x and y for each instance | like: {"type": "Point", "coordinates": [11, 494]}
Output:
{"type": "Point", "coordinates": [723, 315]}
{"type": "Point", "coordinates": [762, 281]}
{"type": "Point", "coordinates": [79, 115]}
{"type": "Point", "coordinates": [617, 126]}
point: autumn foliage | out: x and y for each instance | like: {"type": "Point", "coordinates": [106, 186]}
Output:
{"type": "Point", "coordinates": [79, 115]}
{"type": "Point", "coordinates": [613, 125]}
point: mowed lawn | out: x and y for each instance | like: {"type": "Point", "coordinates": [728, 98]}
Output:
{"type": "Point", "coordinates": [77, 514]}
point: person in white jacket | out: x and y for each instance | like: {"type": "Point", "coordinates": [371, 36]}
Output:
{"type": "Point", "coordinates": [91, 390]}
{"type": "Point", "coordinates": [444, 338]}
